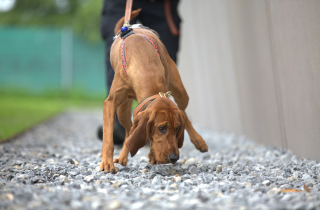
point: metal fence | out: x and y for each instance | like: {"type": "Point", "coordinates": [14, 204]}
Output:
{"type": "Point", "coordinates": [40, 59]}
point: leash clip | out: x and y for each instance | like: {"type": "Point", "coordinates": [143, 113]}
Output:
{"type": "Point", "coordinates": [126, 33]}
{"type": "Point", "coordinates": [165, 94]}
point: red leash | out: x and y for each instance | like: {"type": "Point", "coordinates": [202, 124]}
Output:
{"type": "Point", "coordinates": [128, 13]}
{"type": "Point", "coordinates": [167, 12]}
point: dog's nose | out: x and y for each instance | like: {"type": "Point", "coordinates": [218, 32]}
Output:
{"type": "Point", "coordinates": [173, 157]}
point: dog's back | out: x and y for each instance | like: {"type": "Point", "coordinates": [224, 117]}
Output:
{"type": "Point", "coordinates": [144, 64]}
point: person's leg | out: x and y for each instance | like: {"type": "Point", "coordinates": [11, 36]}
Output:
{"type": "Point", "coordinates": [112, 11]}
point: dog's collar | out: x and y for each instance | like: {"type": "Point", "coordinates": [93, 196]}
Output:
{"type": "Point", "coordinates": [145, 102]}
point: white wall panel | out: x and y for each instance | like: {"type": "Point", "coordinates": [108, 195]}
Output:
{"type": "Point", "coordinates": [253, 68]}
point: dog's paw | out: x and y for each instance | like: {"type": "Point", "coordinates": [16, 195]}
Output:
{"type": "Point", "coordinates": [122, 161]}
{"type": "Point", "coordinates": [203, 148]}
{"type": "Point", "coordinates": [200, 144]}
{"type": "Point", "coordinates": [107, 166]}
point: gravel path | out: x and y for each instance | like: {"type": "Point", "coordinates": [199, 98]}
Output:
{"type": "Point", "coordinates": [55, 166]}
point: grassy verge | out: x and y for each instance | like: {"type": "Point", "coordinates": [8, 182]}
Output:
{"type": "Point", "coordinates": [20, 111]}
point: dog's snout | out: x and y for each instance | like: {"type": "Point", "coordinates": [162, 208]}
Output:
{"type": "Point", "coordinates": [173, 157]}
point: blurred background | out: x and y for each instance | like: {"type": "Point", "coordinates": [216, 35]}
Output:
{"type": "Point", "coordinates": [51, 58]}
{"type": "Point", "coordinates": [51, 45]}
{"type": "Point", "coordinates": [250, 67]}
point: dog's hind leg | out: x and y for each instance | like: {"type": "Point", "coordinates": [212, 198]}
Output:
{"type": "Point", "coordinates": [124, 115]}
{"type": "Point", "coordinates": [181, 97]}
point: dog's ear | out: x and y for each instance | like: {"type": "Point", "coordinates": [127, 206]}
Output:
{"type": "Point", "coordinates": [140, 131]}
{"type": "Point", "coordinates": [180, 134]}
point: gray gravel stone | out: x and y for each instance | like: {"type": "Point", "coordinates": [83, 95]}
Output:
{"type": "Point", "coordinates": [156, 180]}
{"type": "Point", "coordinates": [88, 178]}
{"type": "Point", "coordinates": [143, 165]}
{"type": "Point", "coordinates": [266, 182]}
{"type": "Point", "coordinates": [193, 170]}
{"type": "Point", "coordinates": [219, 169]}
{"type": "Point", "coordinates": [152, 175]}
{"type": "Point", "coordinates": [64, 179]}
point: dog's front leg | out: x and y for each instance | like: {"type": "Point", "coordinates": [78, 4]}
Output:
{"type": "Point", "coordinates": [195, 138]}
{"type": "Point", "coordinates": [109, 115]}
{"type": "Point", "coordinates": [124, 116]}
{"type": "Point", "coordinates": [182, 99]}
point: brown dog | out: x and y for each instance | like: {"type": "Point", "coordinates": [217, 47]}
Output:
{"type": "Point", "coordinates": [143, 69]}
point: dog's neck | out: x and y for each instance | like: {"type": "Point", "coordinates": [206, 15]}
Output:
{"type": "Point", "coordinates": [141, 97]}
{"type": "Point", "coordinates": [149, 95]}
{"type": "Point", "coordinates": [145, 102]}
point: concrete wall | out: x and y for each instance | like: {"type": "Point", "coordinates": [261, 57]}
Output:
{"type": "Point", "coordinates": [253, 68]}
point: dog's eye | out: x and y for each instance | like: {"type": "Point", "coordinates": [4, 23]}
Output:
{"type": "Point", "coordinates": [177, 129]}
{"type": "Point", "coordinates": [162, 129]}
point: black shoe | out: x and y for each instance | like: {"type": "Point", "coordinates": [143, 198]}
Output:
{"type": "Point", "coordinates": [100, 132]}
{"type": "Point", "coordinates": [119, 134]}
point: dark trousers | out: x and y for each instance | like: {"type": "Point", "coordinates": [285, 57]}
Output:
{"type": "Point", "coordinates": [151, 15]}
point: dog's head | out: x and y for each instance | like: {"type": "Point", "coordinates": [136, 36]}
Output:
{"type": "Point", "coordinates": [163, 123]}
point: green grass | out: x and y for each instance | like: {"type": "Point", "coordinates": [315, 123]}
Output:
{"type": "Point", "coordinates": [20, 111]}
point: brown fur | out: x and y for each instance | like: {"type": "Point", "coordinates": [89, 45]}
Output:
{"type": "Point", "coordinates": [147, 75]}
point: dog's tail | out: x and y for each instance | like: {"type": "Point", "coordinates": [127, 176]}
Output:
{"type": "Point", "coordinates": [119, 24]}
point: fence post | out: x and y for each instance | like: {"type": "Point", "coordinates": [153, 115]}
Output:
{"type": "Point", "coordinates": [66, 59]}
